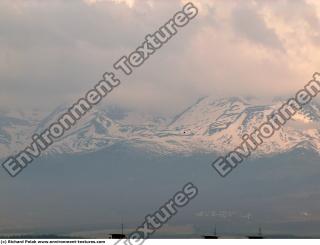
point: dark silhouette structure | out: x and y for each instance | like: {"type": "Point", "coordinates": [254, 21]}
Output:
{"type": "Point", "coordinates": [117, 235]}
{"type": "Point", "coordinates": [259, 236]}
{"type": "Point", "coordinates": [212, 236]}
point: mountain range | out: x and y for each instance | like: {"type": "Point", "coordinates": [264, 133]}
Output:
{"type": "Point", "coordinates": [208, 126]}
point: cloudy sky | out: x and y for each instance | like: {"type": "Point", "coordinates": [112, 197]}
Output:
{"type": "Point", "coordinates": [54, 51]}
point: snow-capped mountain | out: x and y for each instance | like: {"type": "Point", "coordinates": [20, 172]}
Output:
{"type": "Point", "coordinates": [209, 126]}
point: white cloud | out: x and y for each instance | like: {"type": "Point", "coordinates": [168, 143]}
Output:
{"type": "Point", "coordinates": [129, 3]}
{"type": "Point", "coordinates": [56, 49]}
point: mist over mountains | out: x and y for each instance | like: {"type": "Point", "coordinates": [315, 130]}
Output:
{"type": "Point", "coordinates": [208, 126]}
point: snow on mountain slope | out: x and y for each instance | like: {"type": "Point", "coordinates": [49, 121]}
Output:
{"type": "Point", "coordinates": [218, 125]}
{"type": "Point", "coordinates": [209, 125]}
{"type": "Point", "coordinates": [15, 127]}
